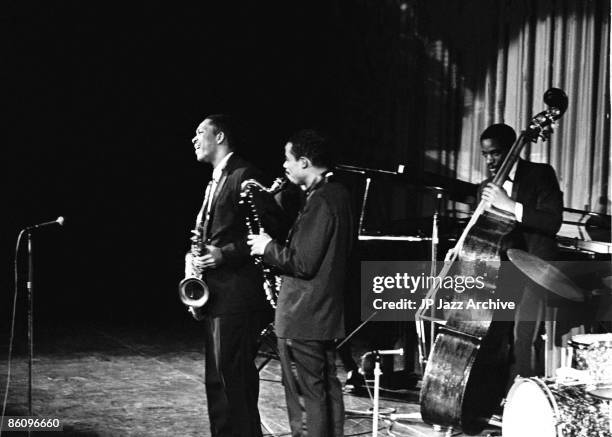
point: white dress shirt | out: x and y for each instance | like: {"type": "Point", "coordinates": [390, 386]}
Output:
{"type": "Point", "coordinates": [507, 186]}
{"type": "Point", "coordinates": [212, 187]}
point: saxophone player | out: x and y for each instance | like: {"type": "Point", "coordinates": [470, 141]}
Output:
{"type": "Point", "coordinates": [237, 310]}
{"type": "Point", "coordinates": [313, 262]}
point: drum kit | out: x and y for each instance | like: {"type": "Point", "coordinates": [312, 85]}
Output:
{"type": "Point", "coordinates": [578, 401]}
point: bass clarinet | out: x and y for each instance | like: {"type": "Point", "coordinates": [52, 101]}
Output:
{"type": "Point", "coordinates": [272, 282]}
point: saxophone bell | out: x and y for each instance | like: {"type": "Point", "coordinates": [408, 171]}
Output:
{"type": "Point", "coordinates": [193, 291]}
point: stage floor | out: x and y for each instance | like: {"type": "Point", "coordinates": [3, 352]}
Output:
{"type": "Point", "coordinates": [148, 381]}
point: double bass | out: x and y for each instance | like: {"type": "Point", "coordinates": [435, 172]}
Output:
{"type": "Point", "coordinates": [461, 385]}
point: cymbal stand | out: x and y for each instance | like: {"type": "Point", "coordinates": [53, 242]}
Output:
{"type": "Point", "coordinates": [375, 411]}
{"type": "Point", "coordinates": [420, 323]}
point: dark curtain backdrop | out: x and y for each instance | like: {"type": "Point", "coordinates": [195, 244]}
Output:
{"type": "Point", "coordinates": [435, 74]}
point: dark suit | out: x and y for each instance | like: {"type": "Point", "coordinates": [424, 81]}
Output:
{"type": "Point", "coordinates": [536, 187]}
{"type": "Point", "coordinates": [310, 315]}
{"type": "Point", "coordinates": [235, 314]}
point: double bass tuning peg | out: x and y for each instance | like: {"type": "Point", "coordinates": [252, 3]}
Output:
{"type": "Point", "coordinates": [547, 131]}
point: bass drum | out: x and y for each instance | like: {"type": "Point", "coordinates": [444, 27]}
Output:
{"type": "Point", "coordinates": [538, 408]}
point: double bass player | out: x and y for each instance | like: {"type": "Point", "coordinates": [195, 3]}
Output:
{"type": "Point", "coordinates": [532, 195]}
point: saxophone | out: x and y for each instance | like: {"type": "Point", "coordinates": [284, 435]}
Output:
{"type": "Point", "coordinates": [272, 282]}
{"type": "Point", "coordinates": [193, 291]}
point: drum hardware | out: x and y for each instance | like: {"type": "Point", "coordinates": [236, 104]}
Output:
{"type": "Point", "coordinates": [592, 353]}
{"type": "Point", "coordinates": [420, 322]}
{"type": "Point", "coordinates": [552, 279]}
{"type": "Point", "coordinates": [603, 392]}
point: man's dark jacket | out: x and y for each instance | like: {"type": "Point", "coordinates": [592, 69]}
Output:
{"type": "Point", "coordinates": [536, 187]}
{"type": "Point", "coordinates": [236, 285]}
{"type": "Point", "coordinates": [314, 266]}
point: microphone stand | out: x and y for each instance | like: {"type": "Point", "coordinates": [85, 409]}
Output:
{"type": "Point", "coordinates": [360, 230]}
{"type": "Point", "coordinates": [30, 287]}
{"type": "Point", "coordinates": [375, 412]}
{"type": "Point", "coordinates": [377, 372]}
{"type": "Point", "coordinates": [30, 298]}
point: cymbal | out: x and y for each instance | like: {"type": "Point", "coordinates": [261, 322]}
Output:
{"type": "Point", "coordinates": [546, 275]}
{"type": "Point", "coordinates": [604, 392]}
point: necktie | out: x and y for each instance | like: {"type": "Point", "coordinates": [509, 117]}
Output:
{"type": "Point", "coordinates": [205, 204]}
{"type": "Point", "coordinates": [213, 189]}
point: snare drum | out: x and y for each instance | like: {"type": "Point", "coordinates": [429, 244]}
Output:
{"type": "Point", "coordinates": [538, 408]}
{"type": "Point", "coordinates": [593, 352]}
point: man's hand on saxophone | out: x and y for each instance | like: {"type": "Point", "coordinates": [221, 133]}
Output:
{"type": "Point", "coordinates": [258, 243]}
{"type": "Point", "coordinates": [211, 260]}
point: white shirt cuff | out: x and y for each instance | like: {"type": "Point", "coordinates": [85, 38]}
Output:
{"type": "Point", "coordinates": [518, 211]}
{"type": "Point", "coordinates": [265, 247]}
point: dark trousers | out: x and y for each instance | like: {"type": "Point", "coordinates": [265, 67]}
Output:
{"type": "Point", "coordinates": [231, 377]}
{"type": "Point", "coordinates": [312, 387]}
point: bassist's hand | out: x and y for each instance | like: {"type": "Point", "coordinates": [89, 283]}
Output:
{"type": "Point", "coordinates": [497, 197]}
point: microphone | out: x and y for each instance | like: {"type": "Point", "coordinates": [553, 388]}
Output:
{"type": "Point", "coordinates": [58, 221]}
{"type": "Point", "coordinates": [369, 358]}
{"type": "Point", "coordinates": [399, 351]}
{"type": "Point", "coordinates": [376, 353]}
